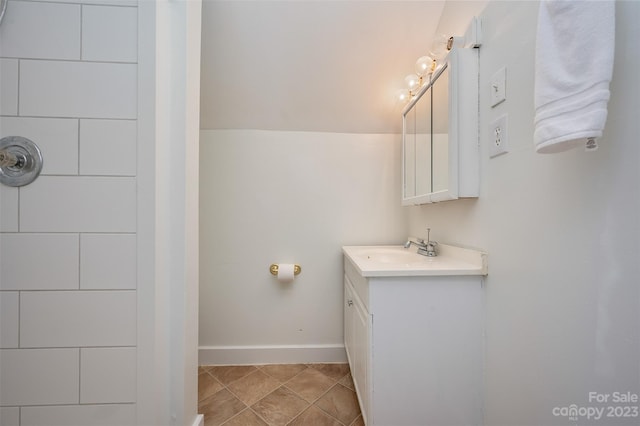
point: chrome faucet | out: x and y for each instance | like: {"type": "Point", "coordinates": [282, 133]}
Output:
{"type": "Point", "coordinates": [427, 248]}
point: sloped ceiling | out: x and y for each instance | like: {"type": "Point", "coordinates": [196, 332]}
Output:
{"type": "Point", "coordinates": [322, 66]}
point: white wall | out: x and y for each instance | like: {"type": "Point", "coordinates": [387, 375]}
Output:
{"type": "Point", "coordinates": [563, 236]}
{"type": "Point", "coordinates": [287, 197]}
{"type": "Point", "coordinates": [68, 241]}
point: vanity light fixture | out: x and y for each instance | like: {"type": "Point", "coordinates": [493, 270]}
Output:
{"type": "Point", "coordinates": [423, 70]}
{"type": "Point", "coordinates": [425, 66]}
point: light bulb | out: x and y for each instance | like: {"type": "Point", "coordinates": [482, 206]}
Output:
{"type": "Point", "coordinates": [403, 95]}
{"type": "Point", "coordinates": [440, 46]}
{"type": "Point", "coordinates": [425, 66]}
{"type": "Point", "coordinates": [413, 82]}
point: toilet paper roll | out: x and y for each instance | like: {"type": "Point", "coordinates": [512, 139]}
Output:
{"type": "Point", "coordinates": [286, 272]}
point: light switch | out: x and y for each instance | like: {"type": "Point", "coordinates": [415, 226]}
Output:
{"type": "Point", "coordinates": [499, 87]}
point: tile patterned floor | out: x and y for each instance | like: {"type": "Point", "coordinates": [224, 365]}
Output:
{"type": "Point", "coordinates": [278, 395]}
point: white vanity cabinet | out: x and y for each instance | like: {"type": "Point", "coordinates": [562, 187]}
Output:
{"type": "Point", "coordinates": [414, 345]}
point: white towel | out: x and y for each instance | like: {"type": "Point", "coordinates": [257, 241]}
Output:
{"type": "Point", "coordinates": [574, 63]}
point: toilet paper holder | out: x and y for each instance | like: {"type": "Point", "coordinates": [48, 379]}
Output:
{"type": "Point", "coordinates": [274, 269]}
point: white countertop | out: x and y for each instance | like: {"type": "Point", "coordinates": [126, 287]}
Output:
{"type": "Point", "coordinates": [396, 261]}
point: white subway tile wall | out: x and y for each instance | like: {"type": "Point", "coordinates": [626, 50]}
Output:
{"type": "Point", "coordinates": [79, 415]}
{"type": "Point", "coordinates": [79, 204]}
{"type": "Point", "coordinates": [129, 3]}
{"type": "Point", "coordinates": [39, 376]}
{"type": "Point", "coordinates": [77, 318]}
{"type": "Point", "coordinates": [108, 261]}
{"type": "Point", "coordinates": [9, 311]}
{"type": "Point", "coordinates": [108, 147]}
{"type": "Point", "coordinates": [8, 209]}
{"type": "Point", "coordinates": [8, 86]}
{"type": "Point", "coordinates": [68, 81]}
{"type": "Point", "coordinates": [41, 31]}
{"type": "Point", "coordinates": [108, 34]}
{"type": "Point", "coordinates": [57, 139]}
{"type": "Point", "coordinates": [77, 89]}
{"type": "Point", "coordinates": [39, 262]}
{"type": "Point", "coordinates": [9, 416]}
{"type": "Point", "coordinates": [107, 375]}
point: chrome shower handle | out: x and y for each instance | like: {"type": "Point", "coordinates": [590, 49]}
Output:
{"type": "Point", "coordinates": [20, 161]}
{"type": "Point", "coordinates": [9, 159]}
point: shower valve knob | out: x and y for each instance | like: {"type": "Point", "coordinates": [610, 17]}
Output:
{"type": "Point", "coordinates": [20, 161]}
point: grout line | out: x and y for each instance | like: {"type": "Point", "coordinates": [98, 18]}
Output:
{"type": "Point", "coordinates": [79, 376]}
{"type": "Point", "coordinates": [81, 28]}
{"type": "Point", "coordinates": [104, 4]}
{"type": "Point", "coordinates": [18, 82]}
{"type": "Point", "coordinates": [19, 317]}
{"type": "Point", "coordinates": [240, 412]}
{"type": "Point", "coordinates": [79, 261]}
{"type": "Point", "coordinates": [64, 233]}
{"type": "Point", "coordinates": [78, 61]}
{"type": "Point", "coordinates": [79, 147]}
{"type": "Point", "coordinates": [67, 290]}
{"type": "Point", "coordinates": [72, 405]}
{"type": "Point", "coordinates": [68, 233]}
{"type": "Point", "coordinates": [87, 175]}
{"type": "Point", "coordinates": [73, 347]}
{"type": "Point", "coordinates": [53, 117]}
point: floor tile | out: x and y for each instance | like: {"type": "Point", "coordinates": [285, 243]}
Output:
{"type": "Point", "coordinates": [310, 384]}
{"type": "Point", "coordinates": [250, 389]}
{"type": "Point", "coordinates": [283, 372]}
{"type": "Point", "coordinates": [316, 417]}
{"type": "Point", "coordinates": [347, 381]}
{"type": "Point", "coordinates": [207, 386]}
{"type": "Point", "coordinates": [341, 403]}
{"type": "Point", "coordinates": [229, 374]}
{"type": "Point", "coordinates": [279, 407]}
{"type": "Point", "coordinates": [305, 394]}
{"type": "Point", "coordinates": [359, 421]}
{"type": "Point", "coordinates": [220, 407]}
{"type": "Point", "coordinates": [247, 418]}
{"type": "Point", "coordinates": [335, 371]}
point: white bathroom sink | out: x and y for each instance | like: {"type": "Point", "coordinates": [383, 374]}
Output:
{"type": "Point", "coordinates": [386, 261]}
{"type": "Point", "coordinates": [392, 255]}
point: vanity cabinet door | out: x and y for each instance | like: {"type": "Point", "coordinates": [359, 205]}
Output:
{"type": "Point", "coordinates": [360, 373]}
{"type": "Point", "coordinates": [356, 337]}
{"type": "Point", "coordinates": [348, 322]}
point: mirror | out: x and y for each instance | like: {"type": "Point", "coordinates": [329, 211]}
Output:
{"type": "Point", "coordinates": [440, 134]}
{"type": "Point", "coordinates": [417, 145]}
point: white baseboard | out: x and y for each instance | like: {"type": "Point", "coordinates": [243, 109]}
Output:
{"type": "Point", "coordinates": [199, 421]}
{"type": "Point", "coordinates": [256, 355]}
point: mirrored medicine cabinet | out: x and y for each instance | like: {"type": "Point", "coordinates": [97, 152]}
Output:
{"type": "Point", "coordinates": [440, 133]}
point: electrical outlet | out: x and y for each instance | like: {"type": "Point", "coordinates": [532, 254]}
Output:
{"type": "Point", "coordinates": [498, 137]}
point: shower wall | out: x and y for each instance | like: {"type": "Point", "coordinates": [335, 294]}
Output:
{"type": "Point", "coordinates": [68, 81]}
